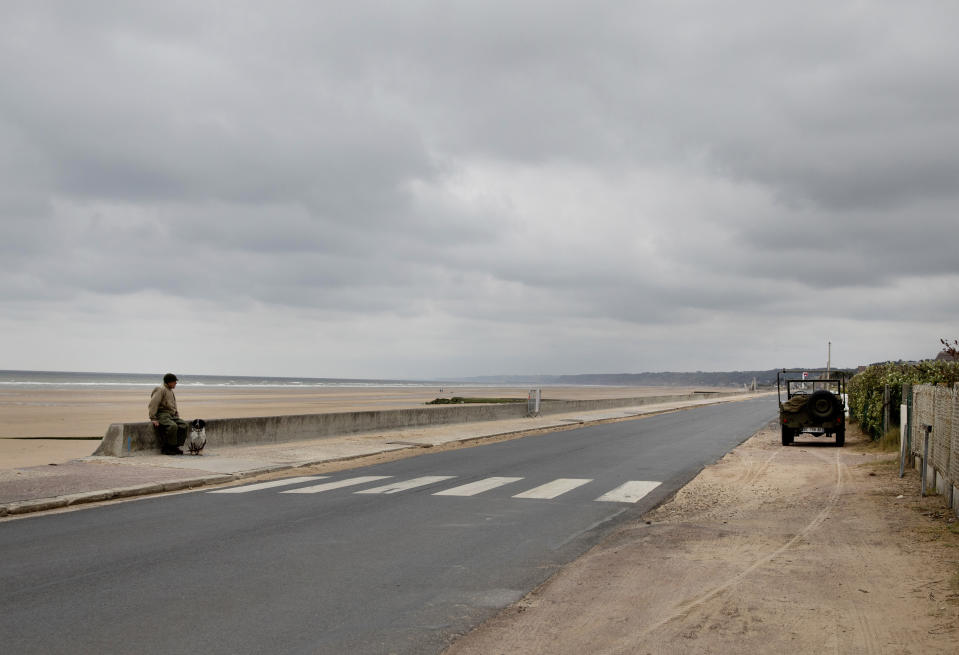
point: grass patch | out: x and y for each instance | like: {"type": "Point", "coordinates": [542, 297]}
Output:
{"type": "Point", "coordinates": [459, 400]}
{"type": "Point", "coordinates": [889, 442]}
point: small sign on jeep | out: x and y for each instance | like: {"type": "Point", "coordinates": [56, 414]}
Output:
{"type": "Point", "coordinates": [814, 404]}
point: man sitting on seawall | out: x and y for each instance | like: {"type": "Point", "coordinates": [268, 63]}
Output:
{"type": "Point", "coordinates": [164, 415]}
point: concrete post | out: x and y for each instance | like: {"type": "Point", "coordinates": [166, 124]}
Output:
{"type": "Point", "coordinates": [903, 413]}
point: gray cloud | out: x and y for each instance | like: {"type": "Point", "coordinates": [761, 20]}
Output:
{"type": "Point", "coordinates": [566, 187]}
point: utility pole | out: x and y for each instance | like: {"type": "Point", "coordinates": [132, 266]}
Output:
{"type": "Point", "coordinates": [828, 358]}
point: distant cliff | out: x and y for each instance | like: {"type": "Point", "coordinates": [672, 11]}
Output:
{"type": "Point", "coordinates": [662, 379]}
{"type": "Point", "coordinates": [674, 379]}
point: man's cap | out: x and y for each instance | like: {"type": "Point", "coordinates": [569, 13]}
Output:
{"type": "Point", "coordinates": [168, 378]}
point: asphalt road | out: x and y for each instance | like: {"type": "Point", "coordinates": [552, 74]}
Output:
{"type": "Point", "coordinates": [393, 558]}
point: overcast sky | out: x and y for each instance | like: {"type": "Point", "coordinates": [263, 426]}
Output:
{"type": "Point", "coordinates": [430, 189]}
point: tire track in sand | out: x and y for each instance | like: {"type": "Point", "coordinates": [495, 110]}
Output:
{"type": "Point", "coordinates": [683, 609]}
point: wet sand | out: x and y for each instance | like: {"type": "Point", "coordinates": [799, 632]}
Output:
{"type": "Point", "coordinates": [61, 416]}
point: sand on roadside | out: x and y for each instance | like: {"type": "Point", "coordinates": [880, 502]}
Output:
{"type": "Point", "coordinates": [21, 453]}
{"type": "Point", "coordinates": [28, 414]}
{"type": "Point", "coordinates": [800, 549]}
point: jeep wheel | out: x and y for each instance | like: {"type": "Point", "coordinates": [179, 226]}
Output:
{"type": "Point", "coordinates": [841, 437]}
{"type": "Point", "coordinates": [822, 404]}
{"type": "Point", "coordinates": [787, 435]}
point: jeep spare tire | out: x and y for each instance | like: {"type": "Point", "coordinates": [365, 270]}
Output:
{"type": "Point", "coordinates": [822, 404]}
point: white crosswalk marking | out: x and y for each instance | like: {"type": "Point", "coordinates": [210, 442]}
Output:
{"type": "Point", "coordinates": [477, 487]}
{"type": "Point", "coordinates": [267, 485]}
{"type": "Point", "coordinates": [394, 487]}
{"type": "Point", "coordinates": [554, 488]}
{"type": "Point", "coordinates": [630, 492]}
{"type": "Point", "coordinates": [349, 482]}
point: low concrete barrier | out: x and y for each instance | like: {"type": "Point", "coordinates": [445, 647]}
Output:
{"type": "Point", "coordinates": [125, 439]}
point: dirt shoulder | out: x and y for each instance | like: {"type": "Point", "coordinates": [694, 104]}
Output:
{"type": "Point", "coordinates": [805, 549]}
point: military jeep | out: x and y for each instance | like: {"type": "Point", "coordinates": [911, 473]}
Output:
{"type": "Point", "coordinates": [814, 404]}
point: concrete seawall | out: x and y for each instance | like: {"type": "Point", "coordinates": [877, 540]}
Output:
{"type": "Point", "coordinates": [126, 439]}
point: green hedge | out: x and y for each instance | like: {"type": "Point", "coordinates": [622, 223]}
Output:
{"type": "Point", "coordinates": [866, 389]}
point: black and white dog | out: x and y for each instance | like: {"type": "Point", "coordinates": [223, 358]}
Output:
{"type": "Point", "coordinates": [197, 438]}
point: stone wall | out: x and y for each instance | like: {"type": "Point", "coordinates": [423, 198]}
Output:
{"type": "Point", "coordinates": [123, 439]}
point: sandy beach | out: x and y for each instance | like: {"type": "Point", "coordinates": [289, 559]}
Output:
{"type": "Point", "coordinates": [50, 425]}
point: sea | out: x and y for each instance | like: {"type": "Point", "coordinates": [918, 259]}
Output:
{"type": "Point", "coordinates": [74, 380]}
